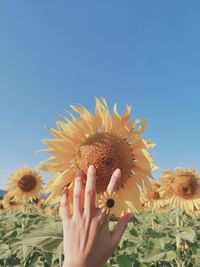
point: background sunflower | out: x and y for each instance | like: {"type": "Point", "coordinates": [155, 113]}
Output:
{"type": "Point", "coordinates": [25, 184]}
{"type": "Point", "coordinates": [182, 188]}
{"type": "Point", "coordinates": [151, 198]}
{"type": "Point", "coordinates": [10, 203]}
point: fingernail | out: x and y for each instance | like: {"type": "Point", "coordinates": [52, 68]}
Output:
{"type": "Point", "coordinates": [78, 173]}
{"type": "Point", "coordinates": [91, 169]}
{"type": "Point", "coordinates": [117, 172]}
{"type": "Point", "coordinates": [78, 179]}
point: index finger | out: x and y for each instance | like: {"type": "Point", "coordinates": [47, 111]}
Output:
{"type": "Point", "coordinates": [90, 191]}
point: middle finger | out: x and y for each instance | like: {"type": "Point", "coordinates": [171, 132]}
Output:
{"type": "Point", "coordinates": [78, 195]}
{"type": "Point", "coordinates": [90, 191]}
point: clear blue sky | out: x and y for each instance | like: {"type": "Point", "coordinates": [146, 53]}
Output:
{"type": "Point", "coordinates": [57, 53]}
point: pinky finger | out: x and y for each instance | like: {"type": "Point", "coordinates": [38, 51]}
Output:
{"type": "Point", "coordinates": [114, 181]}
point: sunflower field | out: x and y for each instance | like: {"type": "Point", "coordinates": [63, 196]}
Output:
{"type": "Point", "coordinates": [165, 229]}
{"type": "Point", "coordinates": [150, 240]}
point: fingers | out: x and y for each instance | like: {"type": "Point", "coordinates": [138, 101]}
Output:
{"type": "Point", "coordinates": [78, 195]}
{"type": "Point", "coordinates": [90, 191]}
{"type": "Point", "coordinates": [65, 211]}
{"type": "Point", "coordinates": [119, 228]}
{"type": "Point", "coordinates": [114, 181]}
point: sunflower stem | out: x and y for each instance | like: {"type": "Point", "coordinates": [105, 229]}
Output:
{"type": "Point", "coordinates": [60, 256]}
{"type": "Point", "coordinates": [23, 228]}
{"type": "Point", "coordinates": [178, 239]}
{"type": "Point", "coordinates": [152, 219]}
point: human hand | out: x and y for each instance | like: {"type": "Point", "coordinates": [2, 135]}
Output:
{"type": "Point", "coordinates": [88, 241]}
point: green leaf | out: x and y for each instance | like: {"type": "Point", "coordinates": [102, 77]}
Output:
{"type": "Point", "coordinates": [133, 232]}
{"type": "Point", "coordinates": [157, 249]}
{"type": "Point", "coordinates": [4, 251]}
{"type": "Point", "coordinates": [47, 239]}
{"type": "Point", "coordinates": [151, 233]}
{"type": "Point", "coordinates": [169, 255]}
{"type": "Point", "coordinates": [124, 261]}
{"type": "Point", "coordinates": [187, 233]}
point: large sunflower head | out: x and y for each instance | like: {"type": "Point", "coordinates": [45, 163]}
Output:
{"type": "Point", "coordinates": [106, 141]}
{"type": "Point", "coordinates": [25, 184]}
{"type": "Point", "coordinates": [182, 188]}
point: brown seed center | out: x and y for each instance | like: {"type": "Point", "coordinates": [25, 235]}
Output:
{"type": "Point", "coordinates": [154, 195]}
{"type": "Point", "coordinates": [110, 203]}
{"type": "Point", "coordinates": [185, 186]}
{"type": "Point", "coordinates": [1, 207]}
{"type": "Point", "coordinates": [27, 183]}
{"type": "Point", "coordinates": [106, 152]}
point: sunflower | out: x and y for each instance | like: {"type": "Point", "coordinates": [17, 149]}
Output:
{"type": "Point", "coordinates": [10, 203]}
{"type": "Point", "coordinates": [151, 198]}
{"type": "Point", "coordinates": [40, 205]}
{"type": "Point", "coordinates": [107, 202]}
{"type": "Point", "coordinates": [105, 141]}
{"type": "Point", "coordinates": [52, 212]}
{"type": "Point", "coordinates": [182, 189]}
{"type": "Point", "coordinates": [25, 184]}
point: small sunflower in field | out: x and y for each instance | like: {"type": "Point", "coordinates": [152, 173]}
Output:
{"type": "Point", "coordinates": [53, 211]}
{"type": "Point", "coordinates": [40, 205]}
{"type": "Point", "coordinates": [107, 202]}
{"type": "Point", "coordinates": [10, 203]}
{"type": "Point", "coordinates": [25, 184]}
{"type": "Point", "coordinates": [106, 141]}
{"type": "Point", "coordinates": [183, 245]}
{"type": "Point", "coordinates": [151, 198]}
{"type": "Point", "coordinates": [182, 188]}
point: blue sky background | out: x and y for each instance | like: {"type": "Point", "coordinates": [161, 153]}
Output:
{"type": "Point", "coordinates": [57, 53]}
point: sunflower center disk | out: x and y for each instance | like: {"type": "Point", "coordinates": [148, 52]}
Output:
{"type": "Point", "coordinates": [110, 203]}
{"type": "Point", "coordinates": [154, 195]}
{"type": "Point", "coordinates": [185, 187]}
{"type": "Point", "coordinates": [106, 152]}
{"type": "Point", "coordinates": [27, 183]}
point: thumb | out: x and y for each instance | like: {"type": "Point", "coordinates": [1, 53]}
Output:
{"type": "Point", "coordinates": [119, 228]}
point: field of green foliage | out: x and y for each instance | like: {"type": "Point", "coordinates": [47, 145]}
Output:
{"type": "Point", "coordinates": [150, 240]}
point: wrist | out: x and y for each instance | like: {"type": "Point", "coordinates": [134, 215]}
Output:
{"type": "Point", "coordinates": [81, 264]}
{"type": "Point", "coordinates": [71, 264]}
